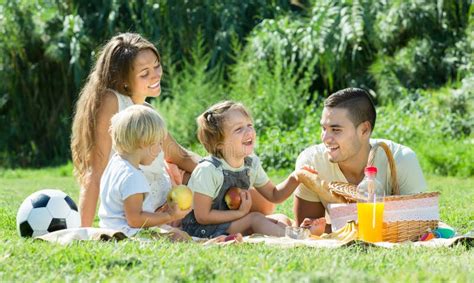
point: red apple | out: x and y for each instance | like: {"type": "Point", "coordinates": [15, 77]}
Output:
{"type": "Point", "coordinates": [232, 198]}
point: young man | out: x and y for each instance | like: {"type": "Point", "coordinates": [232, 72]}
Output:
{"type": "Point", "coordinates": [347, 122]}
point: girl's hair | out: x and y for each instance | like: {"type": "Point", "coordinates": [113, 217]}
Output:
{"type": "Point", "coordinates": [134, 127]}
{"type": "Point", "coordinates": [211, 125]}
{"type": "Point", "coordinates": [111, 71]}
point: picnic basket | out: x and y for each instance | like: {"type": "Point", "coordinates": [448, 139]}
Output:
{"type": "Point", "coordinates": [410, 225]}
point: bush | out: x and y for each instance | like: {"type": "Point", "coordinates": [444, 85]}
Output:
{"type": "Point", "coordinates": [437, 125]}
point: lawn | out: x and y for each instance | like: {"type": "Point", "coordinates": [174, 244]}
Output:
{"type": "Point", "coordinates": [26, 260]}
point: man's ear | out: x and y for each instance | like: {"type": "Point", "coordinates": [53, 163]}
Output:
{"type": "Point", "coordinates": [365, 128]}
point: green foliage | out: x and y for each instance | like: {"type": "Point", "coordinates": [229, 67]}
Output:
{"type": "Point", "coordinates": [47, 48]}
{"type": "Point", "coordinates": [189, 93]}
{"type": "Point", "coordinates": [281, 58]}
{"type": "Point", "coordinates": [437, 125]}
{"type": "Point", "coordinates": [37, 45]}
{"type": "Point", "coordinates": [332, 37]}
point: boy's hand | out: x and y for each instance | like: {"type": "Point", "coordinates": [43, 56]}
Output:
{"type": "Point", "coordinates": [246, 202]}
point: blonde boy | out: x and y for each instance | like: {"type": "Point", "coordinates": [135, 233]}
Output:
{"type": "Point", "coordinates": [137, 136]}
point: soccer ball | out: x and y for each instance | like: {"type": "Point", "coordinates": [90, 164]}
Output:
{"type": "Point", "coordinates": [46, 211]}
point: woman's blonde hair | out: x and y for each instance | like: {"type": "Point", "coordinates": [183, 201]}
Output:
{"type": "Point", "coordinates": [134, 127]}
{"type": "Point", "coordinates": [111, 71]}
{"type": "Point", "coordinates": [211, 125]}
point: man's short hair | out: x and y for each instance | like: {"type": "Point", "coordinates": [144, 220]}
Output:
{"type": "Point", "coordinates": [358, 103]}
{"type": "Point", "coordinates": [136, 126]}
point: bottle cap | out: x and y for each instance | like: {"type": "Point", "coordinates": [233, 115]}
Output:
{"type": "Point", "coordinates": [370, 170]}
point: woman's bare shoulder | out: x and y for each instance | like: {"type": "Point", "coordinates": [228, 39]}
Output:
{"type": "Point", "coordinates": [109, 104]}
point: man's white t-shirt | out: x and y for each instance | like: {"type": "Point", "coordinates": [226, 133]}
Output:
{"type": "Point", "coordinates": [207, 179]}
{"type": "Point", "coordinates": [409, 174]}
{"type": "Point", "coordinates": [119, 181]}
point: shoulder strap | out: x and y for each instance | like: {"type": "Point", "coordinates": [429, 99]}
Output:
{"type": "Point", "coordinates": [214, 161]}
{"type": "Point", "coordinates": [248, 161]}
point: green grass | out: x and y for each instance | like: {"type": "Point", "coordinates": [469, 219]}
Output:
{"type": "Point", "coordinates": [29, 260]}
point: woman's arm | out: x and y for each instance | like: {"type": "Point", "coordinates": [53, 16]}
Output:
{"type": "Point", "coordinates": [175, 153]}
{"type": "Point", "coordinates": [205, 215]}
{"type": "Point", "coordinates": [99, 158]}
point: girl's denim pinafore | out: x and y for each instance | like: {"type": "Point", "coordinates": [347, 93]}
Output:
{"type": "Point", "coordinates": [240, 179]}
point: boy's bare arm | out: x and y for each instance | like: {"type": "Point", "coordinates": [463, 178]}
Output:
{"type": "Point", "coordinates": [138, 218]}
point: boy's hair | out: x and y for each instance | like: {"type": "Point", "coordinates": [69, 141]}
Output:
{"type": "Point", "coordinates": [211, 125]}
{"type": "Point", "coordinates": [134, 127]}
{"type": "Point", "coordinates": [358, 103]}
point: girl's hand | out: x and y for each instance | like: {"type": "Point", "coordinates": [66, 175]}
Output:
{"type": "Point", "coordinates": [309, 169]}
{"type": "Point", "coordinates": [296, 174]}
{"type": "Point", "coordinates": [246, 202]}
{"type": "Point", "coordinates": [175, 173]}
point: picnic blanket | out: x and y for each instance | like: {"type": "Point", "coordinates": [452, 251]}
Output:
{"type": "Point", "coordinates": [330, 243]}
{"type": "Point", "coordinates": [69, 236]}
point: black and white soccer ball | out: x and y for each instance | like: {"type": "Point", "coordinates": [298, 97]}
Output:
{"type": "Point", "coordinates": [46, 211]}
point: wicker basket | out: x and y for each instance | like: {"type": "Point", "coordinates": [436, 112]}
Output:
{"type": "Point", "coordinates": [397, 231]}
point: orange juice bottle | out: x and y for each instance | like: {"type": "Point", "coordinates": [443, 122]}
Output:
{"type": "Point", "coordinates": [370, 207]}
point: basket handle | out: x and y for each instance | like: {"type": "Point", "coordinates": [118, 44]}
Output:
{"type": "Point", "coordinates": [391, 164]}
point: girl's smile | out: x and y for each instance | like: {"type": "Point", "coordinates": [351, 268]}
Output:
{"type": "Point", "coordinates": [239, 137]}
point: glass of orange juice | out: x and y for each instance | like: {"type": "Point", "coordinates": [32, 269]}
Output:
{"type": "Point", "coordinates": [370, 216]}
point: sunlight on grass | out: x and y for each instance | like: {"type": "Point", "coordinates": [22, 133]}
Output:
{"type": "Point", "coordinates": [165, 261]}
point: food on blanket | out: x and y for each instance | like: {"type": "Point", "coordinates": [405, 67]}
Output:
{"type": "Point", "coordinates": [229, 238]}
{"type": "Point", "coordinates": [321, 187]}
{"type": "Point", "coordinates": [427, 236]}
{"type": "Point", "coordinates": [182, 196]}
{"type": "Point", "coordinates": [345, 234]}
{"type": "Point", "coordinates": [46, 211]}
{"type": "Point", "coordinates": [444, 233]}
{"type": "Point", "coordinates": [225, 240]}
{"type": "Point", "coordinates": [299, 233]}
{"type": "Point", "coordinates": [232, 198]}
{"type": "Point", "coordinates": [315, 226]}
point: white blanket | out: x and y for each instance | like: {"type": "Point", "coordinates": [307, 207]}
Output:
{"type": "Point", "coordinates": [68, 236]}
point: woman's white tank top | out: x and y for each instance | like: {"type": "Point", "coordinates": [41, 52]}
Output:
{"type": "Point", "coordinates": [156, 174]}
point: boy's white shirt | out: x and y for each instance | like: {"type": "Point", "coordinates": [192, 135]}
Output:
{"type": "Point", "coordinates": [119, 181]}
{"type": "Point", "coordinates": [207, 179]}
{"type": "Point", "coordinates": [409, 173]}
{"type": "Point", "coordinates": [156, 174]}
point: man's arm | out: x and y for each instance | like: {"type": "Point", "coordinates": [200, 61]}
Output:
{"type": "Point", "coordinates": [307, 209]}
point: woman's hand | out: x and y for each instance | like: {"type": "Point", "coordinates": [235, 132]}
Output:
{"type": "Point", "coordinates": [176, 174]}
